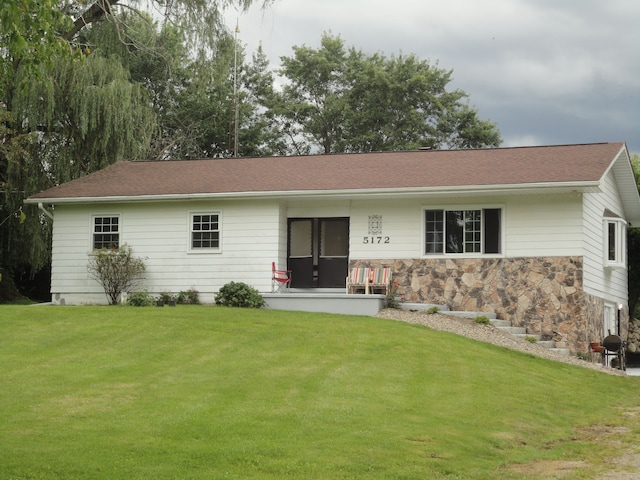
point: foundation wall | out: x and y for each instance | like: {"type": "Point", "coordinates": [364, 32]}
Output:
{"type": "Point", "coordinates": [543, 294]}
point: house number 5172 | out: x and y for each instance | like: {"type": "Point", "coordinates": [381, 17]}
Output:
{"type": "Point", "coordinates": [376, 240]}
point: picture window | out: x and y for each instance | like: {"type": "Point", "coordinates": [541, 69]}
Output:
{"type": "Point", "coordinates": [463, 231]}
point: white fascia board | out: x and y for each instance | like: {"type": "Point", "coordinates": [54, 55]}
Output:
{"type": "Point", "coordinates": [627, 187]}
{"type": "Point", "coordinates": [519, 189]}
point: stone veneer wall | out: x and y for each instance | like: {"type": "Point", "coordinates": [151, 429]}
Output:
{"type": "Point", "coordinates": [545, 295]}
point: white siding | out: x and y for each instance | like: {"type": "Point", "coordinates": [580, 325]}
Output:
{"type": "Point", "coordinates": [338, 208]}
{"type": "Point", "coordinates": [608, 283]}
{"type": "Point", "coordinates": [254, 234]}
{"type": "Point", "coordinates": [250, 240]}
{"type": "Point", "coordinates": [544, 226]}
{"type": "Point", "coordinates": [401, 225]}
{"type": "Point", "coordinates": [549, 225]}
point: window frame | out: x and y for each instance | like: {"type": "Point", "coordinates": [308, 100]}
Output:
{"type": "Point", "coordinates": [483, 234]}
{"type": "Point", "coordinates": [618, 226]}
{"type": "Point", "coordinates": [192, 216]}
{"type": "Point", "coordinates": [94, 217]}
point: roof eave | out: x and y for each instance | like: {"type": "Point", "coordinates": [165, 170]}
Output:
{"type": "Point", "coordinates": [466, 190]}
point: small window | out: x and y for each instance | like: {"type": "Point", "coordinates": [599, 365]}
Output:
{"type": "Point", "coordinates": [615, 241]}
{"type": "Point", "coordinates": [106, 232]}
{"type": "Point", "coordinates": [205, 231]}
{"type": "Point", "coordinates": [462, 231]}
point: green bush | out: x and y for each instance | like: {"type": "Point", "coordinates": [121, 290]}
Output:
{"type": "Point", "coordinates": [166, 297]}
{"type": "Point", "coordinates": [392, 299]}
{"type": "Point", "coordinates": [238, 294]}
{"type": "Point", "coordinates": [433, 310]}
{"type": "Point", "coordinates": [483, 319]}
{"type": "Point", "coordinates": [190, 297]}
{"type": "Point", "coordinates": [140, 299]}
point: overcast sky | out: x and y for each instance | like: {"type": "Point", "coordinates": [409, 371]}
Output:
{"type": "Point", "coordinates": [545, 71]}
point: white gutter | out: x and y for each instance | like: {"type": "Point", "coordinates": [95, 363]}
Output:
{"type": "Point", "coordinates": [45, 211]}
{"type": "Point", "coordinates": [529, 188]}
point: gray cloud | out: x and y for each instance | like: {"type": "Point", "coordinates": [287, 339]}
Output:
{"type": "Point", "coordinates": [545, 71]}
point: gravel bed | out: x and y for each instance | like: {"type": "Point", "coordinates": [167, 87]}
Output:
{"type": "Point", "coordinates": [467, 327]}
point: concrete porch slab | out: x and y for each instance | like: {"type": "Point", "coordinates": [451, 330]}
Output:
{"type": "Point", "coordinates": [331, 302]}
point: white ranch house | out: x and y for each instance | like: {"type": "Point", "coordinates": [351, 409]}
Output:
{"type": "Point", "coordinates": [535, 234]}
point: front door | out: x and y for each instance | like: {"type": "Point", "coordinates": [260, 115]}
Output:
{"type": "Point", "coordinates": [318, 252]}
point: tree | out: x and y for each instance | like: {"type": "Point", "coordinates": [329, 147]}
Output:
{"type": "Point", "coordinates": [313, 102]}
{"type": "Point", "coordinates": [118, 271]}
{"type": "Point", "coordinates": [67, 107]}
{"type": "Point", "coordinates": [193, 99]}
{"type": "Point", "coordinates": [200, 20]}
{"type": "Point", "coordinates": [260, 132]}
{"type": "Point", "coordinates": [346, 101]}
{"type": "Point", "coordinates": [633, 249]}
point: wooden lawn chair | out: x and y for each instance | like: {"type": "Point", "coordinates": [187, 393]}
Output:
{"type": "Point", "coordinates": [380, 278]}
{"type": "Point", "coordinates": [358, 278]}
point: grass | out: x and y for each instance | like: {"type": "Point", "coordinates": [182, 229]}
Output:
{"type": "Point", "coordinates": [197, 392]}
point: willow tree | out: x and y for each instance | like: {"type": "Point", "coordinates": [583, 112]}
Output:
{"type": "Point", "coordinates": [66, 109]}
{"type": "Point", "coordinates": [193, 99]}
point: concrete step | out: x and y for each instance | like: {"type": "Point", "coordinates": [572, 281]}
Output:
{"type": "Point", "coordinates": [456, 313]}
{"type": "Point", "coordinates": [424, 306]}
{"type": "Point", "coordinates": [504, 325]}
{"type": "Point", "coordinates": [519, 331]}
{"type": "Point", "coordinates": [528, 336]}
{"type": "Point", "coordinates": [500, 323]}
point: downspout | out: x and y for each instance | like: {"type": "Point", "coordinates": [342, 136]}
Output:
{"type": "Point", "coordinates": [45, 211]}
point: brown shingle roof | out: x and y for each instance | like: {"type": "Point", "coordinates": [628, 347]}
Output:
{"type": "Point", "coordinates": [366, 171]}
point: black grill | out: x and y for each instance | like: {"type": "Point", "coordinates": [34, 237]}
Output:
{"type": "Point", "coordinates": [614, 347]}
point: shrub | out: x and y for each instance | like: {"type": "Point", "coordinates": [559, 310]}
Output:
{"type": "Point", "coordinates": [433, 310]}
{"type": "Point", "coordinates": [531, 339]}
{"type": "Point", "coordinates": [583, 355]}
{"type": "Point", "coordinates": [166, 297]}
{"type": "Point", "coordinates": [140, 299]}
{"type": "Point", "coordinates": [117, 270]}
{"type": "Point", "coordinates": [483, 319]}
{"type": "Point", "coordinates": [238, 294]}
{"type": "Point", "coordinates": [392, 299]}
{"type": "Point", "coordinates": [191, 297]}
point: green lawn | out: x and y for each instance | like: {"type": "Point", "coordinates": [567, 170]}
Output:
{"type": "Point", "coordinates": [197, 392]}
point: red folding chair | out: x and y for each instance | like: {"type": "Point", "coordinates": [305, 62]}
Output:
{"type": "Point", "coordinates": [280, 279]}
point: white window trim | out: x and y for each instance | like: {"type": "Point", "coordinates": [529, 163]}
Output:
{"type": "Point", "coordinates": [207, 250]}
{"type": "Point", "coordinates": [465, 255]}
{"type": "Point", "coordinates": [93, 226]}
{"type": "Point", "coordinates": [620, 226]}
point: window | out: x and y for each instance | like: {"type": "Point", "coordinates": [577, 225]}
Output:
{"type": "Point", "coordinates": [615, 241]}
{"type": "Point", "coordinates": [463, 231]}
{"type": "Point", "coordinates": [205, 231]}
{"type": "Point", "coordinates": [106, 232]}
